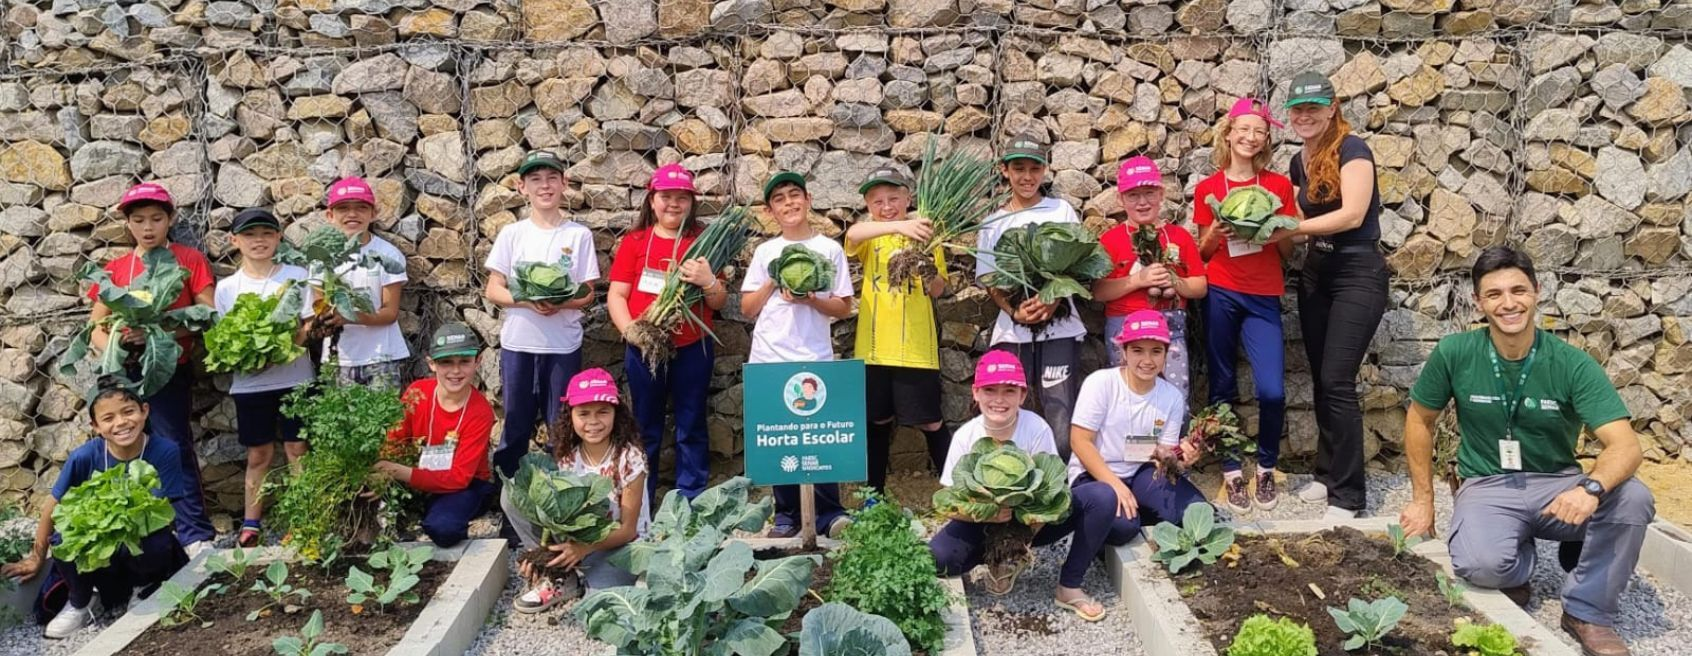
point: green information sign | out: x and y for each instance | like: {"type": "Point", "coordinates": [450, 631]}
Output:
{"type": "Point", "coordinates": [804, 422]}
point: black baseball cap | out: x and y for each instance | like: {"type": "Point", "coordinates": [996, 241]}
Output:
{"type": "Point", "coordinates": [1025, 146]}
{"type": "Point", "coordinates": [452, 339]}
{"type": "Point", "coordinates": [540, 159]}
{"type": "Point", "coordinates": [779, 179]}
{"type": "Point", "coordinates": [884, 175]}
{"type": "Point", "coordinates": [254, 217]}
{"type": "Point", "coordinates": [1309, 88]}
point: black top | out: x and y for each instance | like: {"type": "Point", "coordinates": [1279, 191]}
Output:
{"type": "Point", "coordinates": [1351, 147]}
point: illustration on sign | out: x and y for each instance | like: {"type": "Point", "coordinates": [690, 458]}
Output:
{"type": "Point", "coordinates": [805, 422]}
{"type": "Point", "coordinates": [805, 394]}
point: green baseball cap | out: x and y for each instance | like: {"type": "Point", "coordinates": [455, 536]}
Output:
{"type": "Point", "coordinates": [1310, 87]}
{"type": "Point", "coordinates": [452, 339]}
{"type": "Point", "coordinates": [540, 159]}
{"type": "Point", "coordinates": [780, 179]}
{"type": "Point", "coordinates": [1024, 146]}
{"type": "Point", "coordinates": [884, 175]}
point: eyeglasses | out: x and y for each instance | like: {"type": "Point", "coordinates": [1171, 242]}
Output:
{"type": "Point", "coordinates": [1251, 132]}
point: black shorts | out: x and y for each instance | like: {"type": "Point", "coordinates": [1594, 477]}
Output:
{"type": "Point", "coordinates": [907, 394]}
{"type": "Point", "coordinates": [259, 419]}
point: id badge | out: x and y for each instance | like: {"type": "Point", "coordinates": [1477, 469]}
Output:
{"type": "Point", "coordinates": [1139, 448]}
{"type": "Point", "coordinates": [437, 457]}
{"type": "Point", "coordinates": [1242, 248]}
{"type": "Point", "coordinates": [651, 281]}
{"type": "Point", "coordinates": [1510, 455]}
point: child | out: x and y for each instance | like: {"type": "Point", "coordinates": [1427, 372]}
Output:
{"type": "Point", "coordinates": [148, 213]}
{"type": "Point", "coordinates": [259, 421]}
{"type": "Point", "coordinates": [598, 437]}
{"type": "Point", "coordinates": [371, 347]}
{"type": "Point", "coordinates": [896, 328]}
{"type": "Point", "coordinates": [1050, 358]}
{"type": "Point", "coordinates": [540, 343]}
{"type": "Point", "coordinates": [454, 421]}
{"type": "Point", "coordinates": [795, 328]}
{"type": "Point", "coordinates": [654, 245]}
{"type": "Point", "coordinates": [1125, 418]}
{"type": "Point", "coordinates": [119, 418]}
{"type": "Point", "coordinates": [1139, 185]}
{"type": "Point", "coordinates": [1244, 304]}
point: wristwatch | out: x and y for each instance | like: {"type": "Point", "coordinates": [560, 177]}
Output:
{"type": "Point", "coordinates": [1592, 487]}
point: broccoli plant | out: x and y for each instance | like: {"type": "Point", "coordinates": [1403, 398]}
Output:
{"type": "Point", "coordinates": [1368, 622]}
{"type": "Point", "coordinates": [1451, 590]}
{"type": "Point", "coordinates": [1197, 538]}
{"type": "Point", "coordinates": [306, 644]}
{"type": "Point", "coordinates": [402, 565]}
{"type": "Point", "coordinates": [1261, 636]}
{"type": "Point", "coordinates": [275, 585]}
{"type": "Point", "coordinates": [328, 254]}
{"type": "Point", "coordinates": [1401, 544]}
{"type": "Point", "coordinates": [235, 563]}
{"type": "Point", "coordinates": [182, 601]}
{"type": "Point", "coordinates": [1483, 640]}
{"type": "Point", "coordinates": [142, 307]}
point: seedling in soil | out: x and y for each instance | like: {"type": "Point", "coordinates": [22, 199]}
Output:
{"type": "Point", "coordinates": [1197, 538]}
{"type": "Point", "coordinates": [402, 565]}
{"type": "Point", "coordinates": [1368, 622]}
{"type": "Point", "coordinates": [306, 644]}
{"type": "Point", "coordinates": [275, 585]}
{"type": "Point", "coordinates": [1452, 590]}
{"type": "Point", "coordinates": [235, 563]}
{"type": "Point", "coordinates": [1261, 636]}
{"type": "Point", "coordinates": [1483, 640]}
{"type": "Point", "coordinates": [1401, 544]}
{"type": "Point", "coordinates": [182, 601]}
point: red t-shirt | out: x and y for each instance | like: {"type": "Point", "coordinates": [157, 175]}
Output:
{"type": "Point", "coordinates": [1119, 242]}
{"type": "Point", "coordinates": [130, 266]}
{"type": "Point", "coordinates": [425, 418]}
{"type": "Point", "coordinates": [1257, 273]}
{"type": "Point", "coordinates": [642, 249]}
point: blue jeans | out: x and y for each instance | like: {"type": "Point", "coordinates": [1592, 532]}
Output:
{"type": "Point", "coordinates": [682, 386]}
{"type": "Point", "coordinates": [167, 418]}
{"type": "Point", "coordinates": [1175, 368]}
{"type": "Point", "coordinates": [446, 517]}
{"type": "Point", "coordinates": [532, 384]}
{"type": "Point", "coordinates": [828, 506]}
{"type": "Point", "coordinates": [1233, 320]}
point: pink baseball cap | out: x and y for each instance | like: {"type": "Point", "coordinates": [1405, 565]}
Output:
{"type": "Point", "coordinates": [1138, 171]}
{"type": "Point", "coordinates": [1144, 324]}
{"type": "Point", "coordinates": [1249, 106]}
{"type": "Point", "coordinates": [999, 368]}
{"type": "Point", "coordinates": [146, 191]}
{"type": "Point", "coordinates": [672, 176]}
{"type": "Point", "coordinates": [592, 386]}
{"type": "Point", "coordinates": [350, 189]}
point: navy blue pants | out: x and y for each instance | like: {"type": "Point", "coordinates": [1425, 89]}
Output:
{"type": "Point", "coordinates": [682, 386]}
{"type": "Point", "coordinates": [161, 555]}
{"type": "Point", "coordinates": [167, 418]}
{"type": "Point", "coordinates": [1233, 320]}
{"type": "Point", "coordinates": [828, 506]}
{"type": "Point", "coordinates": [531, 387]}
{"type": "Point", "coordinates": [446, 517]}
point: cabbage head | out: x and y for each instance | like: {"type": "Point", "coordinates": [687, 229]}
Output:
{"type": "Point", "coordinates": [566, 506]}
{"type": "Point", "coordinates": [802, 271]}
{"type": "Point", "coordinates": [1035, 487]}
{"type": "Point", "coordinates": [1251, 212]}
{"type": "Point", "coordinates": [547, 282]}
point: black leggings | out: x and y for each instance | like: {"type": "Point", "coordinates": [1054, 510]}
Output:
{"type": "Point", "coordinates": [1341, 297]}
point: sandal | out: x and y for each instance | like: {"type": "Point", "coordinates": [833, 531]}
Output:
{"type": "Point", "coordinates": [1000, 585]}
{"type": "Point", "coordinates": [1078, 604]}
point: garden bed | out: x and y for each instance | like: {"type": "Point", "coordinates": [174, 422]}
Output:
{"type": "Point", "coordinates": [457, 590]}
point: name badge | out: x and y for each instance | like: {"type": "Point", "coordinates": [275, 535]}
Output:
{"type": "Point", "coordinates": [439, 456]}
{"type": "Point", "coordinates": [1139, 448]}
{"type": "Point", "coordinates": [651, 281]}
{"type": "Point", "coordinates": [1509, 455]}
{"type": "Point", "coordinates": [1242, 248]}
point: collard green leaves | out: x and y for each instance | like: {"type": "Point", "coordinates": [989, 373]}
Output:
{"type": "Point", "coordinates": [113, 509]}
{"type": "Point", "coordinates": [142, 306]}
{"type": "Point", "coordinates": [323, 252]}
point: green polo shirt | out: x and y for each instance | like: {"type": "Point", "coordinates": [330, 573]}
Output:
{"type": "Point", "coordinates": [1566, 389]}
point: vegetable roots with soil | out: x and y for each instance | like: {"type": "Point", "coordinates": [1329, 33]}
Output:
{"type": "Point", "coordinates": [956, 196]}
{"type": "Point", "coordinates": [720, 243]}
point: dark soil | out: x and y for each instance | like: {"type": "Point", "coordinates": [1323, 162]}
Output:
{"type": "Point", "coordinates": [537, 560]}
{"type": "Point", "coordinates": [230, 634]}
{"type": "Point", "coordinates": [1021, 624]}
{"type": "Point", "coordinates": [820, 577]}
{"type": "Point", "coordinates": [911, 265]}
{"type": "Point", "coordinates": [1343, 563]}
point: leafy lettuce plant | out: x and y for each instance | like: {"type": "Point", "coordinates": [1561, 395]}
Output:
{"type": "Point", "coordinates": [250, 338]}
{"type": "Point", "coordinates": [113, 509]}
{"type": "Point", "coordinates": [402, 565]}
{"type": "Point", "coordinates": [1483, 640]}
{"type": "Point", "coordinates": [547, 282]}
{"type": "Point", "coordinates": [564, 505]}
{"type": "Point", "coordinates": [801, 271]}
{"type": "Point", "coordinates": [885, 569]}
{"type": "Point", "coordinates": [1198, 538]}
{"type": "Point", "coordinates": [144, 307]}
{"type": "Point", "coordinates": [836, 629]}
{"type": "Point", "coordinates": [1261, 636]}
{"type": "Point", "coordinates": [1368, 622]}
{"type": "Point", "coordinates": [1251, 212]}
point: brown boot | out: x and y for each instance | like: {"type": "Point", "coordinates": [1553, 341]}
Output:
{"type": "Point", "coordinates": [1595, 640]}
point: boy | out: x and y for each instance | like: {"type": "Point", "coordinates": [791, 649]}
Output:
{"type": "Point", "coordinates": [795, 328]}
{"type": "Point", "coordinates": [259, 421]}
{"type": "Point", "coordinates": [371, 347]}
{"type": "Point", "coordinates": [896, 327]}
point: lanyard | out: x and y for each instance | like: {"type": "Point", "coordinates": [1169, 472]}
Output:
{"type": "Point", "coordinates": [435, 406]}
{"type": "Point", "coordinates": [1512, 405]}
{"type": "Point", "coordinates": [675, 248]}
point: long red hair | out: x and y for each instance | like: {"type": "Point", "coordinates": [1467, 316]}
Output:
{"type": "Point", "coordinates": [1322, 170]}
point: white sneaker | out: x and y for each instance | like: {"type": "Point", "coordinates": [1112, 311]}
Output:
{"type": "Point", "coordinates": [69, 621]}
{"type": "Point", "coordinates": [194, 549]}
{"type": "Point", "coordinates": [1336, 512]}
{"type": "Point", "coordinates": [1314, 492]}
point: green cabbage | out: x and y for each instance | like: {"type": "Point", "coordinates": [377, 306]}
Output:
{"type": "Point", "coordinates": [564, 505]}
{"type": "Point", "coordinates": [993, 475]}
{"type": "Point", "coordinates": [802, 271]}
{"type": "Point", "coordinates": [545, 282]}
{"type": "Point", "coordinates": [1252, 212]}
{"type": "Point", "coordinates": [1054, 260]}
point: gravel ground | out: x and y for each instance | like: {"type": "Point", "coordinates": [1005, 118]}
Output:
{"type": "Point", "coordinates": [1026, 623]}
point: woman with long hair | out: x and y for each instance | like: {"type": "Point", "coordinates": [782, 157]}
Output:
{"type": "Point", "coordinates": [1342, 291]}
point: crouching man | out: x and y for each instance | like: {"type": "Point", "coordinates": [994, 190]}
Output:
{"type": "Point", "coordinates": [1522, 396]}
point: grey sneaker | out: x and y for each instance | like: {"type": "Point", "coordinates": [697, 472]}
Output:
{"type": "Point", "coordinates": [1237, 498]}
{"type": "Point", "coordinates": [1314, 492]}
{"type": "Point", "coordinates": [1268, 493]}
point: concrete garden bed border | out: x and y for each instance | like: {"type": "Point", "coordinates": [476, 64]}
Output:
{"type": "Point", "coordinates": [446, 627]}
{"type": "Point", "coordinates": [1667, 551]}
{"type": "Point", "coordinates": [1166, 626]}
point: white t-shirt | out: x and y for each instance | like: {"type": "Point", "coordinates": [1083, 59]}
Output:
{"type": "Point", "coordinates": [279, 376]}
{"type": "Point", "coordinates": [1107, 406]}
{"type": "Point", "coordinates": [622, 471]}
{"type": "Point", "coordinates": [1048, 210]}
{"type": "Point", "coordinates": [523, 242]}
{"type": "Point", "coordinates": [790, 332]}
{"type": "Point", "coordinates": [1032, 435]}
{"type": "Point", "coordinates": [362, 345]}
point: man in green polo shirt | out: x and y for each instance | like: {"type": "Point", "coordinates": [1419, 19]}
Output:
{"type": "Point", "coordinates": [1522, 396]}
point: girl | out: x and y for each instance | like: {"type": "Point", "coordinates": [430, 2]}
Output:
{"type": "Point", "coordinates": [540, 343]}
{"type": "Point", "coordinates": [654, 245]}
{"type": "Point", "coordinates": [148, 213]}
{"type": "Point", "coordinates": [119, 418]}
{"type": "Point", "coordinates": [371, 348]}
{"type": "Point", "coordinates": [259, 421]}
{"type": "Point", "coordinates": [1139, 185]}
{"type": "Point", "coordinates": [1126, 419]}
{"type": "Point", "coordinates": [1342, 290]}
{"type": "Point", "coordinates": [1243, 307]}
{"type": "Point", "coordinates": [598, 437]}
{"type": "Point", "coordinates": [1051, 358]}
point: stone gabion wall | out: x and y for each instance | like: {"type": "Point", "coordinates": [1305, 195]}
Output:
{"type": "Point", "coordinates": [1552, 123]}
